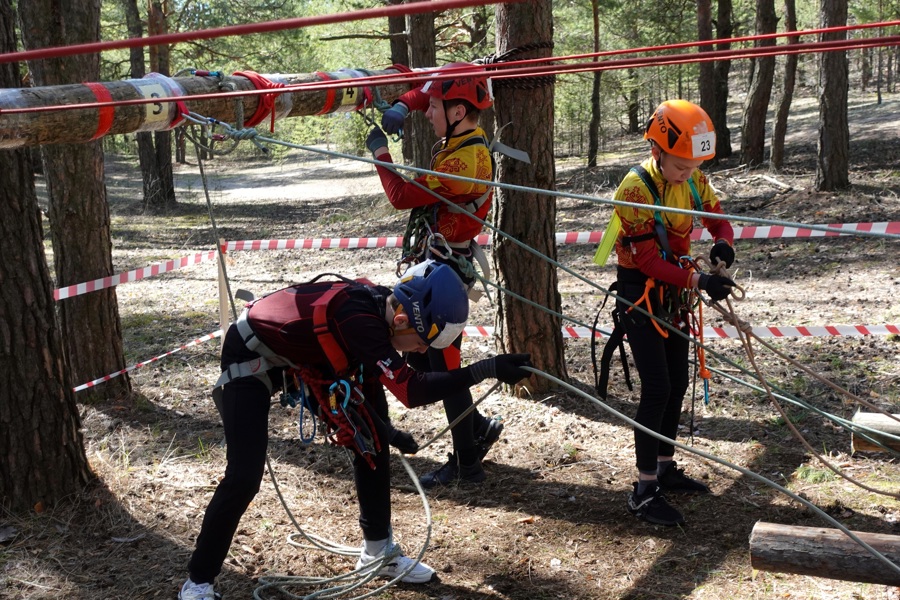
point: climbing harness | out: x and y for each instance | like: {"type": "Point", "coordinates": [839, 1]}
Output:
{"type": "Point", "coordinates": [337, 399]}
{"type": "Point", "coordinates": [421, 242]}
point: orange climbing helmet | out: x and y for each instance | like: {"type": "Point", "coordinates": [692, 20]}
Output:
{"type": "Point", "coordinates": [475, 89]}
{"type": "Point", "coordinates": [683, 129]}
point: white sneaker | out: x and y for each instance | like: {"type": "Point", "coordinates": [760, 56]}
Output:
{"type": "Point", "coordinates": [397, 564]}
{"type": "Point", "coordinates": [198, 591]}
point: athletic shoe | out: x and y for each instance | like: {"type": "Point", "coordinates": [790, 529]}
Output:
{"type": "Point", "coordinates": [397, 564]}
{"type": "Point", "coordinates": [452, 471]}
{"type": "Point", "coordinates": [673, 479]}
{"type": "Point", "coordinates": [198, 591]}
{"type": "Point", "coordinates": [487, 435]}
{"type": "Point", "coordinates": [652, 506]}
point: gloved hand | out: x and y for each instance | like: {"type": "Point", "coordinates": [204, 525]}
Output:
{"type": "Point", "coordinates": [392, 119]}
{"type": "Point", "coordinates": [723, 251]}
{"type": "Point", "coordinates": [505, 367]}
{"type": "Point", "coordinates": [376, 140]}
{"type": "Point", "coordinates": [403, 441]}
{"type": "Point", "coordinates": [716, 286]}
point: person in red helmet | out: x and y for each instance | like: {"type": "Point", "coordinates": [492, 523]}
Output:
{"type": "Point", "coordinates": [341, 340]}
{"type": "Point", "coordinates": [649, 246]}
{"type": "Point", "coordinates": [452, 102]}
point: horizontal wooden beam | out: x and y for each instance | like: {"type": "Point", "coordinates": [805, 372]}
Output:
{"type": "Point", "coordinates": [143, 113]}
{"type": "Point", "coordinates": [823, 552]}
{"type": "Point", "coordinates": [880, 422]}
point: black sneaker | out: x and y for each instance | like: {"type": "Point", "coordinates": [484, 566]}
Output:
{"type": "Point", "coordinates": [487, 435]}
{"type": "Point", "coordinates": [652, 507]}
{"type": "Point", "coordinates": [451, 472]}
{"type": "Point", "coordinates": [673, 479]}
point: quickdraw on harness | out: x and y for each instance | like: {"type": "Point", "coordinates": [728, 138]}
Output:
{"type": "Point", "coordinates": [337, 399]}
{"type": "Point", "coordinates": [664, 302]}
{"type": "Point", "coordinates": [421, 242]}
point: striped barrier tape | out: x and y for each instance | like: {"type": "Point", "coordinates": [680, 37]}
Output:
{"type": "Point", "coordinates": [570, 237]}
{"type": "Point", "coordinates": [584, 332]}
{"type": "Point", "coordinates": [135, 275]}
{"type": "Point", "coordinates": [562, 238]}
{"type": "Point", "coordinates": [199, 340]}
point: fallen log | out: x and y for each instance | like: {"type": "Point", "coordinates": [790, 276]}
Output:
{"type": "Point", "coordinates": [880, 422]}
{"type": "Point", "coordinates": [823, 552]}
{"type": "Point", "coordinates": [19, 129]}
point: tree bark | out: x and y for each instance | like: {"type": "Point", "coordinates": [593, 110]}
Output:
{"type": "Point", "coordinates": [594, 125]}
{"type": "Point", "coordinates": [79, 214]}
{"type": "Point", "coordinates": [421, 54]}
{"type": "Point", "coordinates": [833, 154]}
{"type": "Point", "coordinates": [787, 94]}
{"type": "Point", "coordinates": [823, 553]}
{"type": "Point", "coordinates": [527, 216]}
{"type": "Point", "coordinates": [707, 82]}
{"type": "Point", "coordinates": [150, 175]}
{"type": "Point", "coordinates": [76, 126]}
{"type": "Point", "coordinates": [161, 180]}
{"type": "Point", "coordinates": [42, 455]}
{"type": "Point", "coordinates": [721, 70]}
{"type": "Point", "coordinates": [753, 128]}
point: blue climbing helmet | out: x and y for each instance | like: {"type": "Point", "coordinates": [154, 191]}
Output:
{"type": "Point", "coordinates": [436, 302]}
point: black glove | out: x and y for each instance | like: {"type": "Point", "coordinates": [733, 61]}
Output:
{"type": "Point", "coordinates": [505, 367]}
{"type": "Point", "coordinates": [716, 286]}
{"type": "Point", "coordinates": [392, 119]}
{"type": "Point", "coordinates": [403, 441]}
{"type": "Point", "coordinates": [723, 251]}
{"type": "Point", "coordinates": [376, 140]}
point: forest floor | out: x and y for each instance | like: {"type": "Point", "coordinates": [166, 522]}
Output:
{"type": "Point", "coordinates": [550, 521]}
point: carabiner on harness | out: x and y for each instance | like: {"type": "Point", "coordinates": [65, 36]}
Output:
{"type": "Point", "coordinates": [341, 385]}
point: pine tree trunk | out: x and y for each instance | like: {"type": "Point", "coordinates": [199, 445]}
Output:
{"type": "Point", "coordinates": [527, 216]}
{"type": "Point", "coordinates": [79, 214]}
{"type": "Point", "coordinates": [421, 54]}
{"type": "Point", "coordinates": [721, 70]}
{"type": "Point", "coordinates": [753, 129]}
{"type": "Point", "coordinates": [42, 455]}
{"type": "Point", "coordinates": [594, 125]}
{"type": "Point", "coordinates": [784, 102]}
{"type": "Point", "coordinates": [832, 160]}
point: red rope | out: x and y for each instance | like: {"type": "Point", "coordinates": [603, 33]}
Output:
{"type": "Point", "coordinates": [510, 70]}
{"type": "Point", "coordinates": [238, 30]}
{"type": "Point", "coordinates": [266, 104]}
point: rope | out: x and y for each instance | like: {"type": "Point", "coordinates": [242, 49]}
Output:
{"type": "Point", "coordinates": [825, 516]}
{"type": "Point", "coordinates": [743, 328]}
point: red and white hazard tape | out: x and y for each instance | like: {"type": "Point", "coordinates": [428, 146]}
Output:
{"type": "Point", "coordinates": [570, 237]}
{"type": "Point", "coordinates": [200, 340]}
{"type": "Point", "coordinates": [562, 238]}
{"type": "Point", "coordinates": [135, 275]}
{"type": "Point", "coordinates": [731, 332]}
{"type": "Point", "coordinates": [584, 332]}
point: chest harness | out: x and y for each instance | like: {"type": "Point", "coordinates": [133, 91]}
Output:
{"type": "Point", "coordinates": [421, 241]}
{"type": "Point", "coordinates": [661, 300]}
{"type": "Point", "coordinates": [335, 399]}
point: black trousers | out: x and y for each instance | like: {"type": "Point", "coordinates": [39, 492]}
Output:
{"type": "Point", "coordinates": [662, 365]}
{"type": "Point", "coordinates": [245, 416]}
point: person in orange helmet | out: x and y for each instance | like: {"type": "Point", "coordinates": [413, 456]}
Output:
{"type": "Point", "coordinates": [649, 246]}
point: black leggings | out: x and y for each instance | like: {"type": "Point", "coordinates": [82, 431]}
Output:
{"type": "Point", "coordinates": [662, 365]}
{"type": "Point", "coordinates": [245, 415]}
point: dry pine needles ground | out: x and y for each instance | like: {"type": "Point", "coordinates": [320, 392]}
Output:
{"type": "Point", "coordinates": [550, 521]}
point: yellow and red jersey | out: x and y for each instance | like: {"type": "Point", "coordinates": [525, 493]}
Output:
{"type": "Point", "coordinates": [459, 157]}
{"type": "Point", "coordinates": [640, 223]}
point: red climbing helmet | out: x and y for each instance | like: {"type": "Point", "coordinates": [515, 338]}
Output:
{"type": "Point", "coordinates": [683, 129]}
{"type": "Point", "coordinates": [476, 89]}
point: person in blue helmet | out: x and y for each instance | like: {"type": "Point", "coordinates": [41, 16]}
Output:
{"type": "Point", "coordinates": [327, 333]}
